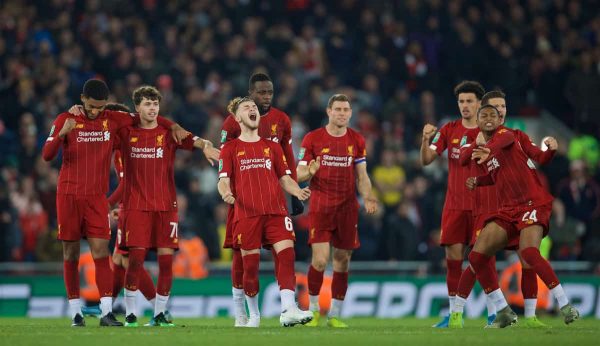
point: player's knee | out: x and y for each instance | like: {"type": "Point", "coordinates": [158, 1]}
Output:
{"type": "Point", "coordinates": [341, 261]}
{"type": "Point", "coordinates": [71, 251]}
{"type": "Point", "coordinates": [319, 263]}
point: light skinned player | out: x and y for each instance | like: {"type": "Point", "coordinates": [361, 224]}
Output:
{"type": "Point", "coordinates": [259, 169]}
{"type": "Point", "coordinates": [334, 160]}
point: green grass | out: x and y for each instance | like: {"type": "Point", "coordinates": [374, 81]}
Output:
{"type": "Point", "coordinates": [362, 331]}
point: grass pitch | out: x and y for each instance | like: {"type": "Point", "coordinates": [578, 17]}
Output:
{"type": "Point", "coordinates": [362, 331]}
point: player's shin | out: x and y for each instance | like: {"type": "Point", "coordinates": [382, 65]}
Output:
{"type": "Point", "coordinates": [287, 278]}
{"type": "Point", "coordinates": [71, 277]}
{"type": "Point", "coordinates": [165, 281]}
{"type": "Point", "coordinates": [104, 281]}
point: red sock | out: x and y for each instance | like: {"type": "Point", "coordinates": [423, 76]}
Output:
{"type": "Point", "coordinates": [286, 269]}
{"type": "Point", "coordinates": [466, 283]}
{"type": "Point", "coordinates": [315, 281]}
{"type": "Point", "coordinates": [541, 267]}
{"type": "Point", "coordinates": [276, 262]}
{"type": "Point", "coordinates": [339, 285]}
{"type": "Point", "coordinates": [251, 274]}
{"type": "Point", "coordinates": [136, 265]}
{"type": "Point", "coordinates": [71, 277]}
{"type": "Point", "coordinates": [146, 285]}
{"type": "Point", "coordinates": [453, 275]}
{"type": "Point", "coordinates": [118, 279]}
{"type": "Point", "coordinates": [104, 276]}
{"type": "Point", "coordinates": [487, 276]}
{"type": "Point", "coordinates": [165, 275]}
{"type": "Point", "coordinates": [237, 269]}
{"type": "Point", "coordinates": [529, 286]}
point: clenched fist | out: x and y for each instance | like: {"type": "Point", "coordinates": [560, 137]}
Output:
{"type": "Point", "coordinates": [67, 127]}
{"type": "Point", "coordinates": [428, 131]}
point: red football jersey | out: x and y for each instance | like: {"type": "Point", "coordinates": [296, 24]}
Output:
{"type": "Point", "coordinates": [333, 187]}
{"type": "Point", "coordinates": [149, 156]}
{"type": "Point", "coordinates": [513, 172]}
{"type": "Point", "coordinates": [486, 197]}
{"type": "Point", "coordinates": [458, 197]}
{"type": "Point", "coordinates": [87, 151]}
{"type": "Point", "coordinates": [274, 126]}
{"type": "Point", "coordinates": [256, 168]}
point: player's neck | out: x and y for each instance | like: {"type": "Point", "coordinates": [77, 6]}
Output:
{"type": "Point", "coordinates": [148, 124]}
{"type": "Point", "coordinates": [488, 135]}
{"type": "Point", "coordinates": [264, 112]}
{"type": "Point", "coordinates": [336, 131]}
{"type": "Point", "coordinates": [470, 123]}
{"type": "Point", "coordinates": [249, 135]}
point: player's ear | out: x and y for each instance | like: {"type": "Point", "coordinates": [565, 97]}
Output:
{"type": "Point", "coordinates": [83, 98]}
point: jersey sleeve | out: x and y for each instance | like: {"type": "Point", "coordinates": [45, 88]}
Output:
{"type": "Point", "coordinates": [280, 162]}
{"type": "Point", "coordinates": [117, 195]}
{"type": "Point", "coordinates": [226, 162]}
{"type": "Point", "coordinates": [54, 142]}
{"type": "Point", "coordinates": [187, 143]}
{"type": "Point", "coordinates": [286, 145]}
{"type": "Point", "coordinates": [440, 140]}
{"type": "Point", "coordinates": [361, 150]}
{"type": "Point", "coordinates": [123, 119]}
{"type": "Point", "coordinates": [306, 153]}
{"type": "Point", "coordinates": [532, 151]}
{"type": "Point", "coordinates": [231, 130]}
{"type": "Point", "coordinates": [467, 144]}
{"type": "Point", "coordinates": [502, 139]}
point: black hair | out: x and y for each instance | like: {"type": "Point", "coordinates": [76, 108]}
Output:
{"type": "Point", "coordinates": [469, 86]}
{"type": "Point", "coordinates": [258, 77]}
{"type": "Point", "coordinates": [487, 106]}
{"type": "Point", "coordinates": [95, 89]}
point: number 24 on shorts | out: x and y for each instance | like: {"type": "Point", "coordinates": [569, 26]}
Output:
{"type": "Point", "coordinates": [530, 217]}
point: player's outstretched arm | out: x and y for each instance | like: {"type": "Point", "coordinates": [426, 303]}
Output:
{"type": "Point", "coordinates": [365, 188]}
{"type": "Point", "coordinates": [428, 155]}
{"type": "Point", "coordinates": [305, 172]}
{"type": "Point", "coordinates": [290, 186]}
{"type": "Point", "coordinates": [210, 152]}
{"type": "Point", "coordinates": [224, 187]}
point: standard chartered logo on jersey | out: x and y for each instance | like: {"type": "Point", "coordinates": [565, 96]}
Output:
{"type": "Point", "coordinates": [336, 161]}
{"type": "Point", "coordinates": [246, 164]}
{"type": "Point", "coordinates": [146, 153]}
{"type": "Point", "coordinates": [93, 136]}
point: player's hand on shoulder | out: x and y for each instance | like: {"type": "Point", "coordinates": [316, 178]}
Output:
{"type": "Point", "coordinates": [304, 194]}
{"type": "Point", "coordinates": [471, 183]}
{"type": "Point", "coordinates": [228, 198]}
{"type": "Point", "coordinates": [77, 110]}
{"type": "Point", "coordinates": [428, 131]}
{"type": "Point", "coordinates": [67, 127]}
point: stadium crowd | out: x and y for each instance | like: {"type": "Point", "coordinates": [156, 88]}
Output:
{"type": "Point", "coordinates": [397, 60]}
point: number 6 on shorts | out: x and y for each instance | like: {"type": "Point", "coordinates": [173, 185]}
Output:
{"type": "Point", "coordinates": [288, 224]}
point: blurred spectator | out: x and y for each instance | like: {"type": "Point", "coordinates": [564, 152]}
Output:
{"type": "Point", "coordinates": [580, 194]}
{"type": "Point", "coordinates": [389, 179]}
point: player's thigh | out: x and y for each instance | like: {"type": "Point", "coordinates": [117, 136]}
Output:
{"type": "Point", "coordinates": [531, 237]}
{"type": "Point", "coordinates": [69, 218]}
{"type": "Point", "coordinates": [493, 238]}
{"type": "Point", "coordinates": [278, 231]}
{"type": "Point", "coordinates": [137, 229]}
{"type": "Point", "coordinates": [96, 218]}
{"type": "Point", "coordinates": [320, 227]}
{"type": "Point", "coordinates": [248, 233]}
{"type": "Point", "coordinates": [228, 241]}
{"type": "Point", "coordinates": [345, 235]}
{"type": "Point", "coordinates": [166, 230]}
{"type": "Point", "coordinates": [457, 227]}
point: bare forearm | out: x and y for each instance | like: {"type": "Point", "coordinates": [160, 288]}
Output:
{"type": "Point", "coordinates": [289, 185]}
{"type": "Point", "coordinates": [224, 187]}
{"type": "Point", "coordinates": [364, 186]}
{"type": "Point", "coordinates": [303, 174]}
{"type": "Point", "coordinates": [427, 154]}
